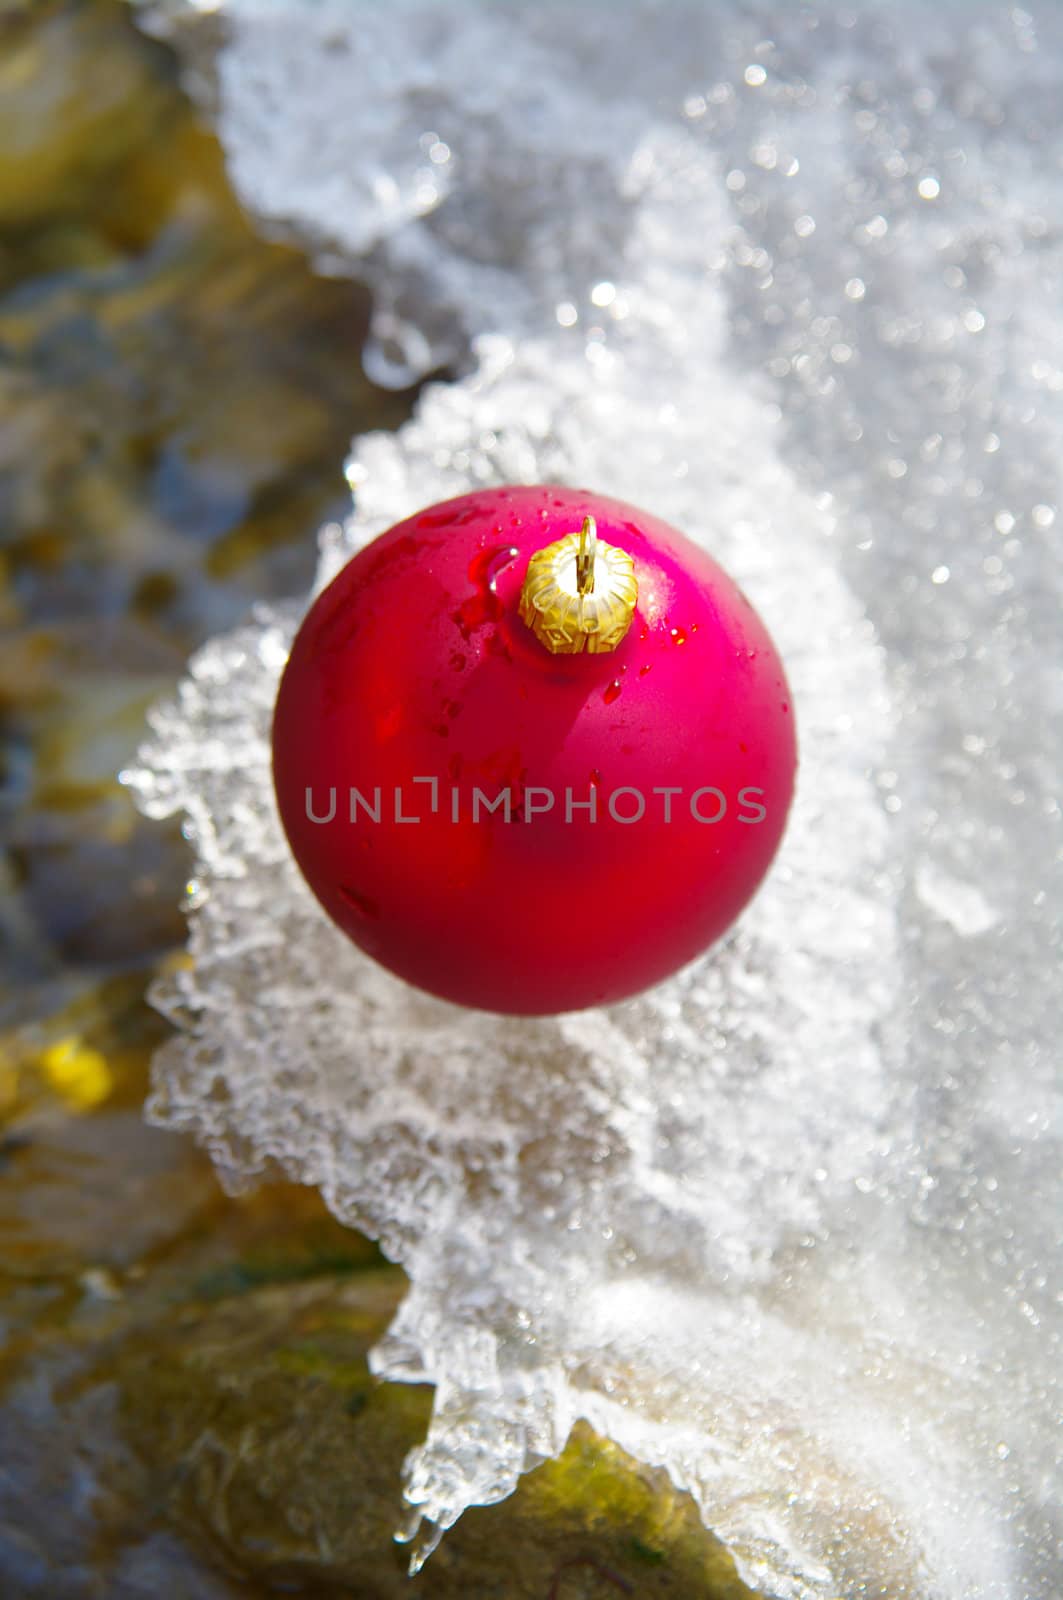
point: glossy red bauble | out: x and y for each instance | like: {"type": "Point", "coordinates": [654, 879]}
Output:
{"type": "Point", "coordinates": [514, 829]}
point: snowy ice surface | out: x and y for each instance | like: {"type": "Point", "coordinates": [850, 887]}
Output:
{"type": "Point", "coordinates": [789, 276]}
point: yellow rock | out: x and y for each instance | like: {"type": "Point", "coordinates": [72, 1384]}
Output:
{"type": "Point", "coordinates": [77, 1072]}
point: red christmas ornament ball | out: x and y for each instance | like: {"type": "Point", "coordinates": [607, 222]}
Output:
{"type": "Point", "coordinates": [495, 804]}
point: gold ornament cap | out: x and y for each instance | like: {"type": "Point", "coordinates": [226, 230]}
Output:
{"type": "Point", "coordinates": [579, 593]}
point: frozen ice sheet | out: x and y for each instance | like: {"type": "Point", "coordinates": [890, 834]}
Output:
{"type": "Point", "coordinates": [788, 1225]}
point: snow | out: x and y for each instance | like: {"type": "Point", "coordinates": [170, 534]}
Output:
{"type": "Point", "coordinates": [790, 278]}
